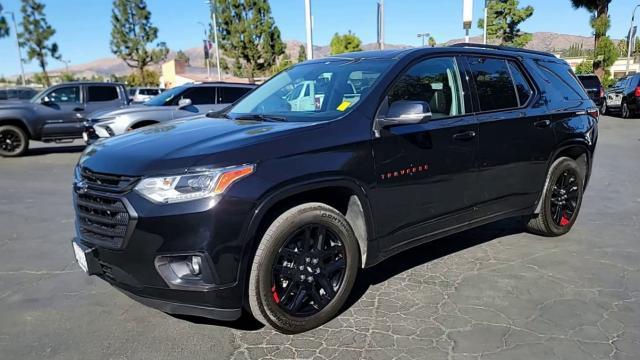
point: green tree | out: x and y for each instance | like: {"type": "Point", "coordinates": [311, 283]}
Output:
{"type": "Point", "coordinates": [284, 63]}
{"type": "Point", "coordinates": [585, 67]}
{"type": "Point", "coordinates": [67, 77]}
{"type": "Point", "coordinates": [4, 25]}
{"type": "Point", "coordinates": [35, 36]}
{"type": "Point", "coordinates": [181, 56]}
{"type": "Point", "coordinates": [348, 42]}
{"type": "Point", "coordinates": [504, 19]}
{"type": "Point", "coordinates": [248, 36]}
{"type": "Point", "coordinates": [39, 78]}
{"type": "Point", "coordinates": [302, 53]}
{"type": "Point", "coordinates": [432, 41]}
{"type": "Point", "coordinates": [605, 54]}
{"type": "Point", "coordinates": [131, 33]}
{"type": "Point", "coordinates": [148, 78]}
{"type": "Point", "coordinates": [600, 22]}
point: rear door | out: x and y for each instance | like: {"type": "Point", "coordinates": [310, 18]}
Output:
{"type": "Point", "coordinates": [516, 137]}
{"type": "Point", "coordinates": [100, 97]}
{"type": "Point", "coordinates": [60, 110]}
{"type": "Point", "coordinates": [425, 171]}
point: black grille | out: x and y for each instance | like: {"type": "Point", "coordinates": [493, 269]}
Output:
{"type": "Point", "coordinates": [107, 182]}
{"type": "Point", "coordinates": [102, 220]}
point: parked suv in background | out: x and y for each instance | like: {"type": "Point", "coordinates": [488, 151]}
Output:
{"type": "Point", "coordinates": [273, 210]}
{"type": "Point", "coordinates": [594, 89]}
{"type": "Point", "coordinates": [175, 103]}
{"type": "Point", "coordinates": [624, 97]}
{"type": "Point", "coordinates": [140, 95]}
{"type": "Point", "coordinates": [17, 94]}
{"type": "Point", "coordinates": [56, 114]}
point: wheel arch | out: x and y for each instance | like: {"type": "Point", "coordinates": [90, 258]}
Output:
{"type": "Point", "coordinates": [578, 150]}
{"type": "Point", "coordinates": [19, 123]}
{"type": "Point", "coordinates": [344, 194]}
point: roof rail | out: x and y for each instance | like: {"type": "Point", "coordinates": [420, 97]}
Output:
{"type": "Point", "coordinates": [500, 47]}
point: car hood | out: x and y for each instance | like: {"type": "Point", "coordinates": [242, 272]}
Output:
{"type": "Point", "coordinates": [15, 104]}
{"type": "Point", "coordinates": [126, 109]}
{"type": "Point", "coordinates": [177, 145]}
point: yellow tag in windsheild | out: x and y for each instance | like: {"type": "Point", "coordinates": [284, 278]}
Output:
{"type": "Point", "coordinates": [343, 106]}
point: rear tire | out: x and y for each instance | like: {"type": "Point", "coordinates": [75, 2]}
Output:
{"type": "Point", "coordinates": [561, 200]}
{"type": "Point", "coordinates": [13, 141]}
{"type": "Point", "coordinates": [626, 113]}
{"type": "Point", "coordinates": [277, 296]}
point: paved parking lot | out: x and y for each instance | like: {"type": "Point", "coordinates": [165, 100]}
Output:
{"type": "Point", "coordinates": [489, 293]}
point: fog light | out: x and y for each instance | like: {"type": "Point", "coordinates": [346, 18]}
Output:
{"type": "Point", "coordinates": [195, 265]}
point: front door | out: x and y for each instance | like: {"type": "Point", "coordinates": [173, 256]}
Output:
{"type": "Point", "coordinates": [60, 110]}
{"type": "Point", "coordinates": [425, 171]}
{"type": "Point", "coordinates": [203, 100]}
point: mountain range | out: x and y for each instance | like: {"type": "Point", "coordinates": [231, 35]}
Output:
{"type": "Point", "coordinates": [543, 41]}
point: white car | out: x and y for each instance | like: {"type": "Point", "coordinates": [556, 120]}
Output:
{"type": "Point", "coordinates": [142, 94]}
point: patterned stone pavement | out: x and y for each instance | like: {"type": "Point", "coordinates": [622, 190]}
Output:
{"type": "Point", "coordinates": [489, 293]}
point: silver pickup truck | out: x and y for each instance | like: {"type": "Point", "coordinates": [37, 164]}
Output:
{"type": "Point", "coordinates": [57, 114]}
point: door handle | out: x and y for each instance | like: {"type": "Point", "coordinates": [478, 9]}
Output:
{"type": "Point", "coordinates": [462, 136]}
{"type": "Point", "coordinates": [78, 109]}
{"type": "Point", "coordinates": [542, 123]}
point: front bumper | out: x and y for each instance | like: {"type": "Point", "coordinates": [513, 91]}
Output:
{"type": "Point", "coordinates": [160, 231]}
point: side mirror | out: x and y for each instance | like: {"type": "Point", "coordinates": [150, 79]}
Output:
{"type": "Point", "coordinates": [46, 101]}
{"type": "Point", "coordinates": [406, 112]}
{"type": "Point", "coordinates": [183, 103]}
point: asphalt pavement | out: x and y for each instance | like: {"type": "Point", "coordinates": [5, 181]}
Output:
{"type": "Point", "coordinates": [489, 293]}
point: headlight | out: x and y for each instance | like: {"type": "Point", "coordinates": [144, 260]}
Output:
{"type": "Point", "coordinates": [193, 186]}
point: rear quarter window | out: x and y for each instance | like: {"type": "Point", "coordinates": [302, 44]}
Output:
{"type": "Point", "coordinates": [562, 79]}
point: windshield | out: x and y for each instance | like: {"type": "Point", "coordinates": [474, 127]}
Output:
{"type": "Point", "coordinates": [589, 82]}
{"type": "Point", "coordinates": [314, 91]}
{"type": "Point", "coordinates": [165, 97]}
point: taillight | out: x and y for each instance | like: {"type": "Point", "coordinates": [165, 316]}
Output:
{"type": "Point", "coordinates": [593, 112]}
{"type": "Point", "coordinates": [637, 92]}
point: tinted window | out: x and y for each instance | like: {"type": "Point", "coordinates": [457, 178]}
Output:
{"type": "Point", "coordinates": [227, 95]}
{"type": "Point", "coordinates": [523, 89]}
{"type": "Point", "coordinates": [69, 94]}
{"type": "Point", "coordinates": [434, 81]}
{"type": "Point", "coordinates": [3, 95]}
{"type": "Point", "coordinates": [590, 81]}
{"type": "Point", "coordinates": [199, 95]}
{"type": "Point", "coordinates": [563, 79]}
{"type": "Point", "coordinates": [495, 88]}
{"type": "Point", "coordinates": [152, 92]}
{"type": "Point", "coordinates": [132, 92]}
{"type": "Point", "coordinates": [102, 93]}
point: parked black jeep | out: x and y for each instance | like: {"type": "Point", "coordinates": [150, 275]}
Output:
{"type": "Point", "coordinates": [273, 208]}
{"type": "Point", "coordinates": [55, 115]}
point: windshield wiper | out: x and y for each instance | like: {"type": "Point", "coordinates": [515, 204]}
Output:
{"type": "Point", "coordinates": [261, 117]}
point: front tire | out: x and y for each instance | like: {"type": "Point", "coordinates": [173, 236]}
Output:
{"type": "Point", "coordinates": [626, 113]}
{"type": "Point", "coordinates": [561, 200]}
{"type": "Point", "coordinates": [13, 141]}
{"type": "Point", "coordinates": [304, 269]}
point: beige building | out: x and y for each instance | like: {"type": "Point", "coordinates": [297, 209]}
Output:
{"type": "Point", "coordinates": [617, 70]}
{"type": "Point", "coordinates": [176, 73]}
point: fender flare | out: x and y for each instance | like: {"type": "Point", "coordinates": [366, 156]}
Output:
{"type": "Point", "coordinates": [30, 130]}
{"type": "Point", "coordinates": [280, 192]}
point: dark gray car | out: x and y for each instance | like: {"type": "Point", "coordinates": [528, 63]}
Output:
{"type": "Point", "coordinates": [56, 114]}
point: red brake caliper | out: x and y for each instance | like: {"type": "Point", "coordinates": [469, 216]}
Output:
{"type": "Point", "coordinates": [564, 221]}
{"type": "Point", "coordinates": [276, 298]}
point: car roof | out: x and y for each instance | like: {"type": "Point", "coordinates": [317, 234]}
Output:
{"type": "Point", "coordinates": [220, 84]}
{"type": "Point", "coordinates": [90, 83]}
{"type": "Point", "coordinates": [453, 49]}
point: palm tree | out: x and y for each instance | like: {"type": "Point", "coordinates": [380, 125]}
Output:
{"type": "Point", "coordinates": [599, 22]}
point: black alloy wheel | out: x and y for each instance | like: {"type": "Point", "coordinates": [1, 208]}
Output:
{"type": "Point", "coordinates": [13, 141]}
{"type": "Point", "coordinates": [564, 198]}
{"type": "Point", "coordinates": [308, 270]}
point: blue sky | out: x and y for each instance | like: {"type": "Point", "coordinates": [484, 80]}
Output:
{"type": "Point", "coordinates": [83, 26]}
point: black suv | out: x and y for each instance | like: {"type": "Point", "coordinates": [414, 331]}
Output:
{"type": "Point", "coordinates": [331, 166]}
{"type": "Point", "coordinates": [624, 97]}
{"type": "Point", "coordinates": [594, 88]}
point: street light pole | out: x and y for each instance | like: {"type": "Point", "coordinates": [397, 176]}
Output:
{"type": "Point", "coordinates": [423, 36]}
{"type": "Point", "coordinates": [206, 43]}
{"type": "Point", "coordinates": [486, 20]}
{"type": "Point", "coordinates": [630, 40]}
{"type": "Point", "coordinates": [212, 7]}
{"type": "Point", "coordinates": [309, 26]}
{"type": "Point", "coordinates": [15, 28]}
